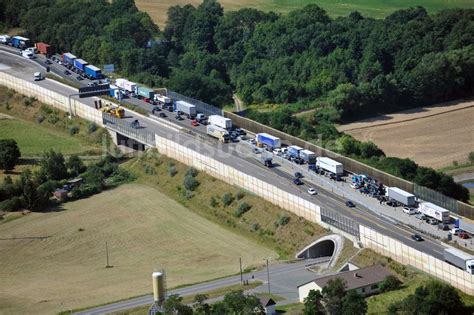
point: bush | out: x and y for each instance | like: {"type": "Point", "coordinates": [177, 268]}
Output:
{"type": "Point", "coordinates": [92, 127]}
{"type": "Point", "coordinates": [471, 157]}
{"type": "Point", "coordinates": [227, 199]}
{"type": "Point", "coordinates": [53, 119]}
{"type": "Point", "coordinates": [172, 171]}
{"type": "Point", "coordinates": [46, 110]}
{"type": "Point", "coordinates": [213, 202]}
{"type": "Point", "coordinates": [192, 172]}
{"type": "Point", "coordinates": [390, 283]}
{"type": "Point", "coordinates": [40, 119]}
{"type": "Point", "coordinates": [243, 207]}
{"type": "Point", "coordinates": [240, 194]}
{"type": "Point", "coordinates": [283, 220]}
{"type": "Point", "coordinates": [190, 183]}
{"type": "Point", "coordinates": [149, 170]}
{"type": "Point", "coordinates": [29, 101]}
{"type": "Point", "coordinates": [74, 130]}
{"type": "Point", "coordinates": [11, 204]}
{"type": "Point", "coordinates": [255, 227]}
{"type": "Point", "coordinates": [188, 194]}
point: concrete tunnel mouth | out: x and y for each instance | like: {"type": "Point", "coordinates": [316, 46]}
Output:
{"type": "Point", "coordinates": [328, 246]}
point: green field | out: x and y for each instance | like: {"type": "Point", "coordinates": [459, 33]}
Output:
{"type": "Point", "coordinates": [34, 139]}
{"type": "Point", "coordinates": [369, 8]}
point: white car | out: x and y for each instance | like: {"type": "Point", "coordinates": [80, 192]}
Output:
{"type": "Point", "coordinates": [252, 141]}
{"type": "Point", "coordinates": [312, 191]}
{"type": "Point", "coordinates": [409, 211]}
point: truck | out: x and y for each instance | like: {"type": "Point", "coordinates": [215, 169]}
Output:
{"type": "Point", "coordinates": [330, 165]}
{"type": "Point", "coordinates": [126, 85]}
{"type": "Point", "coordinates": [114, 92]}
{"type": "Point", "coordinates": [80, 64]}
{"type": "Point", "coordinates": [294, 151]}
{"type": "Point", "coordinates": [433, 211]}
{"type": "Point", "coordinates": [266, 159]}
{"type": "Point", "coordinates": [20, 42]}
{"type": "Point", "coordinates": [220, 121]}
{"type": "Point", "coordinates": [219, 133]}
{"type": "Point", "coordinates": [27, 54]}
{"type": "Point", "coordinates": [93, 72]}
{"type": "Point", "coordinates": [459, 259]}
{"type": "Point", "coordinates": [401, 196]}
{"type": "Point", "coordinates": [186, 108]}
{"type": "Point", "coordinates": [5, 39]}
{"type": "Point", "coordinates": [162, 99]}
{"type": "Point", "coordinates": [143, 92]}
{"type": "Point", "coordinates": [308, 156]}
{"type": "Point", "coordinates": [117, 111]}
{"type": "Point", "coordinates": [68, 58]}
{"type": "Point", "coordinates": [45, 49]}
{"type": "Point", "coordinates": [268, 140]}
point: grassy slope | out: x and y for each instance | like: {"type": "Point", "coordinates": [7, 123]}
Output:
{"type": "Point", "coordinates": [370, 8]}
{"type": "Point", "coordinates": [49, 265]}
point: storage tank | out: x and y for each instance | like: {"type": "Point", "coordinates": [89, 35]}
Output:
{"type": "Point", "coordinates": [158, 287]}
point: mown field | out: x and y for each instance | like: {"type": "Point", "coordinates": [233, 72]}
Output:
{"type": "Point", "coordinates": [56, 261]}
{"type": "Point", "coordinates": [370, 8]}
{"type": "Point", "coordinates": [431, 136]}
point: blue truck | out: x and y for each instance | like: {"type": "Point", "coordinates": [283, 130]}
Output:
{"type": "Point", "coordinates": [69, 58]}
{"type": "Point", "coordinates": [93, 72]}
{"type": "Point", "coordinates": [80, 64]}
{"type": "Point", "coordinates": [294, 151]}
{"type": "Point", "coordinates": [21, 42]}
{"type": "Point", "coordinates": [268, 140]}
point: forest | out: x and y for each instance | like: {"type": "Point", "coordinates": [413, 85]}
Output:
{"type": "Point", "coordinates": [346, 68]}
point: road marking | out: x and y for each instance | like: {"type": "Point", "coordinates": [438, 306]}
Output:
{"type": "Point", "coordinates": [3, 67]}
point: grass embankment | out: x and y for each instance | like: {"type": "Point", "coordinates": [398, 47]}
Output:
{"type": "Point", "coordinates": [56, 261]}
{"type": "Point", "coordinates": [261, 223]}
{"type": "Point", "coordinates": [411, 278]}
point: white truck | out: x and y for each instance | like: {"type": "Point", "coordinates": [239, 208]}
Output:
{"type": "Point", "coordinates": [4, 39]}
{"type": "Point", "coordinates": [434, 211]}
{"type": "Point", "coordinates": [330, 165]}
{"type": "Point", "coordinates": [186, 108]}
{"type": "Point", "coordinates": [401, 196]}
{"type": "Point", "coordinates": [308, 156]}
{"type": "Point", "coordinates": [219, 133]}
{"type": "Point", "coordinates": [220, 121]}
{"type": "Point", "coordinates": [162, 99]}
{"type": "Point", "coordinates": [459, 259]}
{"type": "Point", "coordinates": [126, 85]}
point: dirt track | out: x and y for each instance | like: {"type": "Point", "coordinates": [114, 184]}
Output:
{"type": "Point", "coordinates": [432, 136]}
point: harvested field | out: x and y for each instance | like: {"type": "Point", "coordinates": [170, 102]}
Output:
{"type": "Point", "coordinates": [431, 136]}
{"type": "Point", "coordinates": [49, 264]}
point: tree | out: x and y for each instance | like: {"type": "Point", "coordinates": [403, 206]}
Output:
{"type": "Point", "coordinates": [75, 165]}
{"type": "Point", "coordinates": [390, 283]}
{"type": "Point", "coordinates": [237, 302]}
{"type": "Point", "coordinates": [333, 294]}
{"type": "Point", "coordinates": [312, 303]}
{"type": "Point", "coordinates": [354, 304]}
{"type": "Point", "coordinates": [190, 183]}
{"type": "Point", "coordinates": [9, 154]}
{"type": "Point", "coordinates": [173, 305]}
{"type": "Point", "coordinates": [53, 165]}
{"type": "Point", "coordinates": [200, 305]}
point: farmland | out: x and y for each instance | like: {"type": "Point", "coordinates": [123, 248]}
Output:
{"type": "Point", "coordinates": [370, 8]}
{"type": "Point", "coordinates": [56, 261]}
{"type": "Point", "coordinates": [431, 136]}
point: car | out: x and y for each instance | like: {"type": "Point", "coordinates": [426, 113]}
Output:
{"type": "Point", "coordinates": [298, 175]}
{"type": "Point", "coordinates": [79, 78]}
{"type": "Point", "coordinates": [455, 231]}
{"type": "Point", "coordinates": [312, 191]}
{"type": "Point", "coordinates": [350, 204]}
{"type": "Point", "coordinates": [463, 235]}
{"type": "Point", "coordinates": [162, 115]}
{"type": "Point", "coordinates": [48, 62]}
{"type": "Point", "coordinates": [433, 221]}
{"type": "Point", "coordinates": [257, 150]}
{"type": "Point", "coordinates": [443, 227]}
{"type": "Point", "coordinates": [297, 181]}
{"type": "Point", "coordinates": [178, 117]}
{"type": "Point", "coordinates": [66, 72]}
{"type": "Point", "coordinates": [194, 123]}
{"type": "Point", "coordinates": [409, 211]}
{"type": "Point", "coordinates": [416, 237]}
{"type": "Point", "coordinates": [252, 141]}
{"type": "Point", "coordinates": [241, 132]}
{"type": "Point", "coordinates": [420, 216]}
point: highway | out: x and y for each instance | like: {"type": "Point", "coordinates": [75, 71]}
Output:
{"type": "Point", "coordinates": [241, 157]}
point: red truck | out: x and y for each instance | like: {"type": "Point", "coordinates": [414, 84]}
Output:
{"type": "Point", "coordinates": [45, 49]}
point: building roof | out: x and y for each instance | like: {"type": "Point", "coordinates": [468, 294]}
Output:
{"type": "Point", "coordinates": [60, 191]}
{"type": "Point", "coordinates": [356, 278]}
{"type": "Point", "coordinates": [266, 301]}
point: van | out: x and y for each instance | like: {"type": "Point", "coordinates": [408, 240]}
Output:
{"type": "Point", "coordinates": [38, 76]}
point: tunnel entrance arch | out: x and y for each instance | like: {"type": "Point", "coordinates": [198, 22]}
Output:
{"type": "Point", "coordinates": [329, 246]}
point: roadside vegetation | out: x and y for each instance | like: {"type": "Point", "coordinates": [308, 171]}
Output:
{"type": "Point", "coordinates": [236, 209]}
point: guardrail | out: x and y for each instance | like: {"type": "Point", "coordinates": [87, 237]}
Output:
{"type": "Point", "coordinates": [125, 128]}
{"type": "Point", "coordinates": [205, 108]}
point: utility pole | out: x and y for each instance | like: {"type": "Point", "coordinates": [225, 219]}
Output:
{"type": "Point", "coordinates": [268, 278]}
{"type": "Point", "coordinates": [241, 277]}
{"type": "Point", "coordinates": [107, 255]}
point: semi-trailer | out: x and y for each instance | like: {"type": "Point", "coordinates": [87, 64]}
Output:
{"type": "Point", "coordinates": [144, 92]}
{"type": "Point", "coordinates": [114, 91]}
{"type": "Point", "coordinates": [308, 156]}
{"type": "Point", "coordinates": [80, 64]}
{"type": "Point", "coordinates": [401, 196]}
{"type": "Point", "coordinates": [294, 151]}
{"type": "Point", "coordinates": [93, 72]}
{"type": "Point", "coordinates": [268, 140]}
{"type": "Point", "coordinates": [126, 85]}
{"type": "Point", "coordinates": [434, 211]}
{"type": "Point", "coordinates": [220, 121]}
{"type": "Point", "coordinates": [219, 133]}
{"type": "Point", "coordinates": [68, 58]}
{"type": "Point", "coordinates": [459, 259]}
{"type": "Point", "coordinates": [20, 42]}
{"type": "Point", "coordinates": [45, 49]}
{"type": "Point", "coordinates": [266, 159]}
{"type": "Point", "coordinates": [186, 108]}
{"type": "Point", "coordinates": [330, 165]}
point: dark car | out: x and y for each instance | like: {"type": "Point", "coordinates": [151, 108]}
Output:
{"type": "Point", "coordinates": [178, 117]}
{"type": "Point", "coordinates": [297, 181]}
{"type": "Point", "coordinates": [66, 72]}
{"type": "Point", "coordinates": [48, 62]}
{"type": "Point", "coordinates": [162, 115]}
{"type": "Point", "coordinates": [443, 227]}
{"type": "Point", "coordinates": [350, 204]}
{"type": "Point", "coordinates": [416, 237]}
{"type": "Point", "coordinates": [79, 78]}
{"type": "Point", "coordinates": [298, 175]}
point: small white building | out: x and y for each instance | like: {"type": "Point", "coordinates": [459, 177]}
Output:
{"type": "Point", "coordinates": [365, 281]}
{"type": "Point", "coordinates": [268, 305]}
